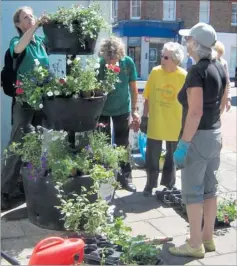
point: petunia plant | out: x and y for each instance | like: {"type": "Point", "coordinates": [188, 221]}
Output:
{"type": "Point", "coordinates": [42, 82]}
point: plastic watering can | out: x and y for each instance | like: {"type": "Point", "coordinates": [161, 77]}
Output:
{"type": "Point", "coordinates": [58, 251]}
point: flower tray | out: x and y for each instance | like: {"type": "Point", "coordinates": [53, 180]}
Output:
{"type": "Point", "coordinates": [99, 251]}
{"type": "Point", "coordinates": [59, 40]}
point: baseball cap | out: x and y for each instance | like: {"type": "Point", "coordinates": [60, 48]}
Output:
{"type": "Point", "coordinates": [201, 32]}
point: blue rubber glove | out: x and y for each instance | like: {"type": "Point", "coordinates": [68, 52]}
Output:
{"type": "Point", "coordinates": [181, 153]}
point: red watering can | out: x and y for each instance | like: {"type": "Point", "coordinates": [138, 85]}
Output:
{"type": "Point", "coordinates": [58, 251]}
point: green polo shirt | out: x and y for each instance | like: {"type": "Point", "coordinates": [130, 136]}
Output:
{"type": "Point", "coordinates": [34, 50]}
{"type": "Point", "coordinates": [119, 100]}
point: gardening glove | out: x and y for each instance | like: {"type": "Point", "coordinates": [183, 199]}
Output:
{"type": "Point", "coordinates": [143, 125]}
{"type": "Point", "coordinates": [181, 153]}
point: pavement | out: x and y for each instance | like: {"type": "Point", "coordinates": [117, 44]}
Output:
{"type": "Point", "coordinates": [145, 215]}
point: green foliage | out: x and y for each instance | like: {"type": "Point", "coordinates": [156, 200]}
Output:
{"type": "Point", "coordinates": [86, 22]}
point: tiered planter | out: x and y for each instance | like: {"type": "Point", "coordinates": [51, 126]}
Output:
{"type": "Point", "coordinates": [60, 40]}
{"type": "Point", "coordinates": [71, 114]}
{"type": "Point", "coordinates": [41, 197]}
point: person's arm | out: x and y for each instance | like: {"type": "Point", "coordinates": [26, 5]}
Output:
{"type": "Point", "coordinates": [195, 85]}
{"type": "Point", "coordinates": [25, 39]}
{"type": "Point", "coordinates": [146, 108]}
{"type": "Point", "coordinates": [228, 89]}
{"type": "Point", "coordinates": [133, 87]}
{"type": "Point", "coordinates": [134, 95]}
{"type": "Point", "coordinates": [195, 111]}
{"type": "Point", "coordinates": [224, 100]}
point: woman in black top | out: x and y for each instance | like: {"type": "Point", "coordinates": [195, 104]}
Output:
{"type": "Point", "coordinates": [203, 98]}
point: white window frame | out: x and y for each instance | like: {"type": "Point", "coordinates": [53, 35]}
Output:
{"type": "Point", "coordinates": [114, 6]}
{"type": "Point", "coordinates": [137, 4]}
{"type": "Point", "coordinates": [171, 5]}
{"type": "Point", "coordinates": [204, 9]}
{"type": "Point", "coordinates": [234, 58]}
{"type": "Point", "coordinates": [232, 14]}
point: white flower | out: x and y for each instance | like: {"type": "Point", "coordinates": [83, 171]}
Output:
{"type": "Point", "coordinates": [56, 93]}
{"type": "Point", "coordinates": [49, 93]}
{"type": "Point", "coordinates": [75, 96]}
{"type": "Point", "coordinates": [117, 64]}
{"type": "Point", "coordinates": [77, 59]}
{"type": "Point", "coordinates": [69, 61]}
{"type": "Point", "coordinates": [97, 65]}
{"type": "Point", "coordinates": [37, 63]}
{"type": "Point", "coordinates": [41, 106]}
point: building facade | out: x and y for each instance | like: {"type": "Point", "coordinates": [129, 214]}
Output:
{"type": "Point", "coordinates": [146, 25]}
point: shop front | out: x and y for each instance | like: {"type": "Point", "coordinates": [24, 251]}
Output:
{"type": "Point", "coordinates": [144, 41]}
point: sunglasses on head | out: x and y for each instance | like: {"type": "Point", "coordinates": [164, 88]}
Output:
{"type": "Point", "coordinates": [164, 57]}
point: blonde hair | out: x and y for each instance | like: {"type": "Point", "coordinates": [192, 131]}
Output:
{"type": "Point", "coordinates": [220, 48]}
{"type": "Point", "coordinates": [16, 17]}
{"type": "Point", "coordinates": [112, 48]}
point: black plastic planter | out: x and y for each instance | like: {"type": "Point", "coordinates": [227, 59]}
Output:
{"type": "Point", "coordinates": [59, 40]}
{"type": "Point", "coordinates": [69, 114]}
{"type": "Point", "coordinates": [41, 198]}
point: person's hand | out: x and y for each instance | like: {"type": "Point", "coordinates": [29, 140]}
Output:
{"type": "Point", "coordinates": [143, 125]}
{"type": "Point", "coordinates": [135, 125]}
{"type": "Point", "coordinates": [136, 116]}
{"type": "Point", "coordinates": [44, 19]}
{"type": "Point", "coordinates": [181, 153]}
{"type": "Point", "coordinates": [228, 105]}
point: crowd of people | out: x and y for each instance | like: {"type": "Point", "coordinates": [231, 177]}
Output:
{"type": "Point", "coordinates": [182, 108]}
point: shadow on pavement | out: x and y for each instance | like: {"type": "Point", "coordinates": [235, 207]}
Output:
{"type": "Point", "coordinates": [16, 214]}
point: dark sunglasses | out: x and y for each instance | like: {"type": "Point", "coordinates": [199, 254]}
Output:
{"type": "Point", "coordinates": [164, 57]}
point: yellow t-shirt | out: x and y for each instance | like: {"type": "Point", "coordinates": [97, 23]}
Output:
{"type": "Point", "coordinates": [165, 112]}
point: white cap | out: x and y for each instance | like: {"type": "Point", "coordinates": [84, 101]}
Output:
{"type": "Point", "coordinates": [201, 32]}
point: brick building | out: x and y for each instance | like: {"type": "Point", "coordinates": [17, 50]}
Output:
{"type": "Point", "coordinates": [146, 25]}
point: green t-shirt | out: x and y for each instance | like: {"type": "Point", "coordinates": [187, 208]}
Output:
{"type": "Point", "coordinates": [34, 50]}
{"type": "Point", "coordinates": [119, 100]}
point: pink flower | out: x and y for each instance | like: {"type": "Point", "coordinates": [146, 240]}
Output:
{"type": "Point", "coordinates": [62, 81]}
{"type": "Point", "coordinates": [19, 83]}
{"type": "Point", "coordinates": [19, 91]}
{"type": "Point", "coordinates": [116, 69]}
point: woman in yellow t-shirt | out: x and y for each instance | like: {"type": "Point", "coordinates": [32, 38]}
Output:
{"type": "Point", "coordinates": [162, 115]}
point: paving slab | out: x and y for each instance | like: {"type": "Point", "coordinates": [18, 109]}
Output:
{"type": "Point", "coordinates": [144, 228]}
{"type": "Point", "coordinates": [226, 240]}
{"type": "Point", "coordinates": [174, 225]}
{"type": "Point", "coordinates": [11, 229]}
{"type": "Point", "coordinates": [226, 259]}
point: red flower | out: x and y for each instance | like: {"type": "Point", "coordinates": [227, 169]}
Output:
{"type": "Point", "coordinates": [116, 69]}
{"type": "Point", "coordinates": [110, 67]}
{"type": "Point", "coordinates": [19, 91]}
{"type": "Point", "coordinates": [19, 83]}
{"type": "Point", "coordinates": [62, 81]}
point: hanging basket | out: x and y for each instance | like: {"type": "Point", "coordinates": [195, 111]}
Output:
{"type": "Point", "coordinates": [69, 114]}
{"type": "Point", "coordinates": [59, 40]}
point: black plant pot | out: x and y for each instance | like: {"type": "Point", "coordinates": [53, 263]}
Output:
{"type": "Point", "coordinates": [59, 40]}
{"type": "Point", "coordinates": [71, 114]}
{"type": "Point", "coordinates": [41, 198]}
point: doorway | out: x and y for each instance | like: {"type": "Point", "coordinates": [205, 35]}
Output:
{"type": "Point", "coordinates": [135, 53]}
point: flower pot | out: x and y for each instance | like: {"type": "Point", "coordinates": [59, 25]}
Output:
{"type": "Point", "coordinates": [41, 198]}
{"type": "Point", "coordinates": [69, 114]}
{"type": "Point", "coordinates": [99, 93]}
{"type": "Point", "coordinates": [59, 40]}
{"type": "Point", "coordinates": [87, 94]}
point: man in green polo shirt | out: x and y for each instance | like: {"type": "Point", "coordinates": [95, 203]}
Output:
{"type": "Point", "coordinates": [34, 51]}
{"type": "Point", "coordinates": [122, 102]}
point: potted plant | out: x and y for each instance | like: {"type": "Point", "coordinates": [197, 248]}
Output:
{"type": "Point", "coordinates": [68, 95]}
{"type": "Point", "coordinates": [48, 159]}
{"type": "Point", "coordinates": [226, 212]}
{"type": "Point", "coordinates": [74, 30]}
